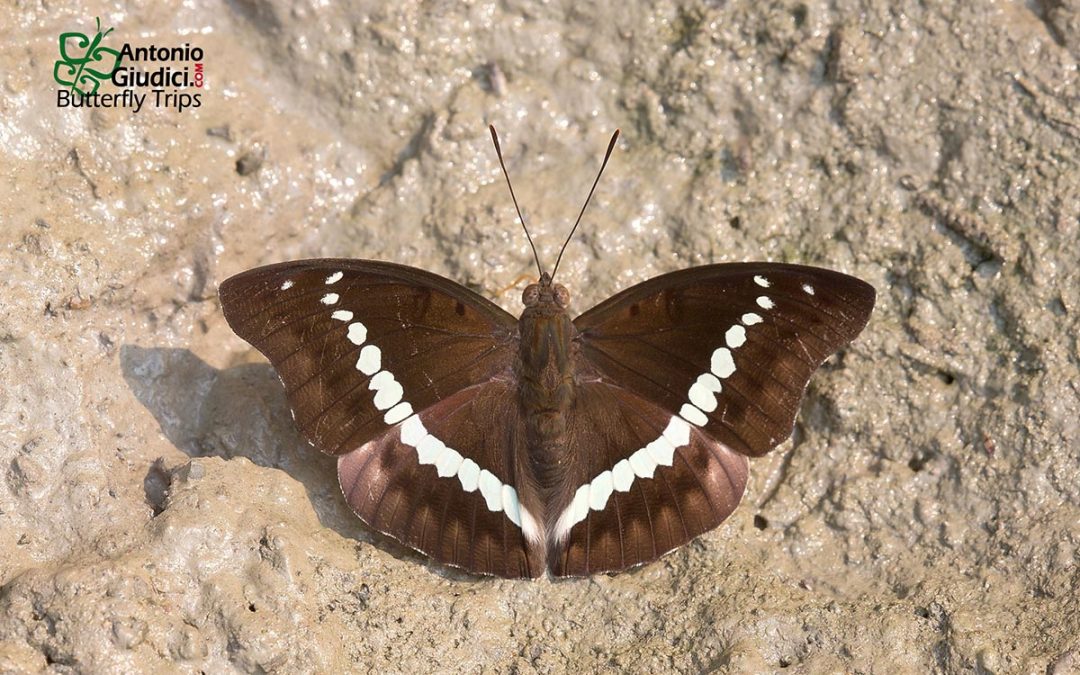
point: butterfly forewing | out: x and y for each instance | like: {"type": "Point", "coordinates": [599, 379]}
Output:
{"type": "Point", "coordinates": [360, 345]}
{"type": "Point", "coordinates": [509, 448]}
{"type": "Point", "coordinates": [408, 377]}
{"type": "Point", "coordinates": [730, 348]}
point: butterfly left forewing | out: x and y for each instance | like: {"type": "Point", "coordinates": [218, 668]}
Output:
{"type": "Point", "coordinates": [680, 379]}
{"type": "Point", "coordinates": [730, 347]}
{"type": "Point", "coordinates": [407, 377]}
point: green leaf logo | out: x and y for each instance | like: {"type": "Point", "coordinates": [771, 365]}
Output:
{"type": "Point", "coordinates": [84, 63]}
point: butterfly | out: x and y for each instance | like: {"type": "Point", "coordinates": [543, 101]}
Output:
{"type": "Point", "coordinates": [516, 447]}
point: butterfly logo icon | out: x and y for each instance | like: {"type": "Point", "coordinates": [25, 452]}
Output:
{"type": "Point", "coordinates": [84, 62]}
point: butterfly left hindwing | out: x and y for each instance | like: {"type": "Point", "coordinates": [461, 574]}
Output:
{"type": "Point", "coordinates": [700, 368]}
{"type": "Point", "coordinates": [673, 484]}
{"type": "Point", "coordinates": [445, 482]}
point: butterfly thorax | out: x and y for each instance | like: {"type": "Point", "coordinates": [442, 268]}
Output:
{"type": "Point", "coordinates": [546, 393]}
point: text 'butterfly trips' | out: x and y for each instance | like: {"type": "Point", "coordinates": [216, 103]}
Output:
{"type": "Point", "coordinates": [518, 446]}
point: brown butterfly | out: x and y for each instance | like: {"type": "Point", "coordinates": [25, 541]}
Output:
{"type": "Point", "coordinates": [514, 446]}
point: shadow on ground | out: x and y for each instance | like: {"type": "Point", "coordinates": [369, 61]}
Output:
{"type": "Point", "coordinates": [237, 412]}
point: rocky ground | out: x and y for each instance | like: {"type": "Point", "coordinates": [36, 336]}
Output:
{"type": "Point", "coordinates": [159, 513]}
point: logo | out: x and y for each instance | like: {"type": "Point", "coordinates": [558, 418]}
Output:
{"type": "Point", "coordinates": [166, 81]}
{"type": "Point", "coordinates": [84, 73]}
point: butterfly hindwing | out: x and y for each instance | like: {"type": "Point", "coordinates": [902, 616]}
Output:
{"type": "Point", "coordinates": [728, 347]}
{"type": "Point", "coordinates": [654, 482]}
{"type": "Point", "coordinates": [442, 483]}
{"type": "Point", "coordinates": [361, 345]}
{"type": "Point", "coordinates": [415, 383]}
{"type": "Point", "coordinates": [407, 377]}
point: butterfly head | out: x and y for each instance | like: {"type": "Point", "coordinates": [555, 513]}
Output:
{"type": "Point", "coordinates": [546, 292]}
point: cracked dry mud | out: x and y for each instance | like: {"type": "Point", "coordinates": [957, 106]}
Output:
{"type": "Point", "coordinates": [158, 512]}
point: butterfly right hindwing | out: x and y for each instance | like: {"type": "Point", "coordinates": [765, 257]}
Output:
{"type": "Point", "coordinates": [408, 378]}
{"type": "Point", "coordinates": [673, 484]}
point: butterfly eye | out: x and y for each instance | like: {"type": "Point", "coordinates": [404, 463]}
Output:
{"type": "Point", "coordinates": [531, 296]}
{"type": "Point", "coordinates": [562, 296]}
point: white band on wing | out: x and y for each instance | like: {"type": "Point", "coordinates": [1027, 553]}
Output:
{"type": "Point", "coordinates": [642, 464]}
{"type": "Point", "coordinates": [497, 495]}
{"type": "Point", "coordinates": [661, 452]}
{"type": "Point", "coordinates": [389, 398]}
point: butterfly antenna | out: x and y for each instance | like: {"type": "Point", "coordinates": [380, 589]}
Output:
{"type": "Point", "coordinates": [607, 155]}
{"type": "Point", "coordinates": [498, 151]}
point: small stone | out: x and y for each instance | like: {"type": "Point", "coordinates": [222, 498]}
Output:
{"type": "Point", "coordinates": [250, 162]}
{"type": "Point", "coordinates": [193, 470]}
{"type": "Point", "coordinates": [192, 645]}
{"type": "Point", "coordinates": [128, 633]}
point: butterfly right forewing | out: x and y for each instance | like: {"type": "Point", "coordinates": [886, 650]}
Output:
{"type": "Point", "coordinates": [408, 379]}
{"type": "Point", "coordinates": [335, 330]}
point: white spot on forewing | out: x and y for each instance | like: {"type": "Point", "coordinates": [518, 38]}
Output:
{"type": "Point", "coordinates": [287, 285]}
{"type": "Point", "coordinates": [751, 319]}
{"type": "Point", "coordinates": [622, 475]}
{"type": "Point", "coordinates": [413, 431]}
{"type": "Point", "coordinates": [370, 360]}
{"type": "Point", "coordinates": [388, 391]}
{"type": "Point", "coordinates": [334, 278]}
{"type": "Point", "coordinates": [469, 475]}
{"type": "Point", "coordinates": [709, 381]}
{"type": "Point", "coordinates": [448, 463]}
{"type": "Point", "coordinates": [429, 448]}
{"type": "Point", "coordinates": [808, 289]}
{"type": "Point", "coordinates": [357, 331]}
{"type": "Point", "coordinates": [735, 336]}
{"type": "Point", "coordinates": [342, 315]}
{"type": "Point", "coordinates": [722, 363]}
{"type": "Point", "coordinates": [692, 414]}
{"type": "Point", "coordinates": [643, 463]}
{"type": "Point", "coordinates": [330, 298]}
{"type": "Point", "coordinates": [764, 302]}
{"type": "Point", "coordinates": [702, 398]}
{"type": "Point", "coordinates": [761, 281]}
{"type": "Point", "coordinates": [398, 413]}
{"type": "Point", "coordinates": [491, 489]}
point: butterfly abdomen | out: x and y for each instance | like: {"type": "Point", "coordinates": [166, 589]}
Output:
{"type": "Point", "coordinates": [546, 394]}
